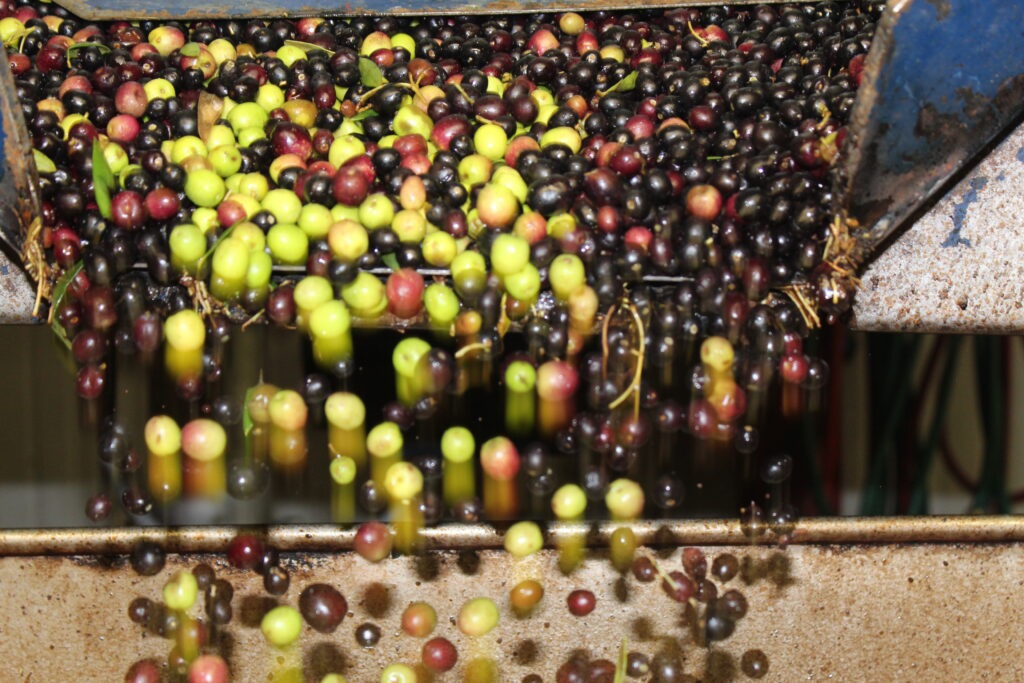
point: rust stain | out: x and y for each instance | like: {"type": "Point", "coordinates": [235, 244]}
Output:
{"type": "Point", "coordinates": [942, 8]}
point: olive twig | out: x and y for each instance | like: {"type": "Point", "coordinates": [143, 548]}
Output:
{"type": "Point", "coordinates": [35, 261]}
{"type": "Point", "coordinates": [475, 346]}
{"type": "Point", "coordinates": [800, 294]}
{"type": "Point", "coordinates": [634, 386]}
{"type": "Point", "coordinates": [704, 42]}
{"type": "Point", "coordinates": [201, 299]}
{"type": "Point", "coordinates": [504, 322]}
{"type": "Point", "coordinates": [458, 87]}
{"type": "Point", "coordinates": [253, 318]}
{"type": "Point", "coordinates": [373, 91]}
{"type": "Point", "coordinates": [672, 583]}
{"type": "Point", "coordinates": [604, 341]}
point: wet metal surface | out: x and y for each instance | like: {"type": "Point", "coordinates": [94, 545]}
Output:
{"type": "Point", "coordinates": [958, 268]}
{"type": "Point", "coordinates": [937, 87]}
{"type": "Point", "coordinates": [820, 612]}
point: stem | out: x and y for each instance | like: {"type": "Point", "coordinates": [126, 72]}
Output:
{"type": "Point", "coordinates": [469, 348]}
{"type": "Point", "coordinates": [604, 341]}
{"type": "Point", "coordinates": [703, 42]}
{"type": "Point", "coordinates": [373, 91]}
{"type": "Point", "coordinates": [634, 387]}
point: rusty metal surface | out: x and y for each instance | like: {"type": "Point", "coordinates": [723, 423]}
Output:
{"type": "Point", "coordinates": [892, 613]}
{"type": "Point", "coordinates": [937, 88]}
{"type": "Point", "coordinates": [255, 9]}
{"type": "Point", "coordinates": [331, 538]}
{"type": "Point", "coordinates": [958, 268]}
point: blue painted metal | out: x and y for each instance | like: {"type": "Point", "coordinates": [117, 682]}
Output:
{"type": "Point", "coordinates": [160, 9]}
{"type": "Point", "coordinates": [944, 77]}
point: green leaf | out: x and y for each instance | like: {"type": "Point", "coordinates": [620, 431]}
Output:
{"type": "Point", "coordinates": [44, 164]}
{"type": "Point", "coordinates": [364, 114]}
{"type": "Point", "coordinates": [59, 290]}
{"type": "Point", "coordinates": [213, 247]}
{"type": "Point", "coordinates": [102, 180]}
{"type": "Point", "coordinates": [625, 85]}
{"type": "Point", "coordinates": [102, 199]}
{"type": "Point", "coordinates": [75, 48]}
{"type": "Point", "coordinates": [101, 173]}
{"type": "Point", "coordinates": [189, 50]}
{"type": "Point", "coordinates": [246, 417]}
{"type": "Point", "coordinates": [369, 73]}
{"type": "Point", "coordinates": [309, 47]}
{"type": "Point", "coordinates": [390, 261]}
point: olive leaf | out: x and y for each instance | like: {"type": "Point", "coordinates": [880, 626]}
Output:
{"type": "Point", "coordinates": [624, 85]}
{"type": "Point", "coordinates": [101, 172]}
{"type": "Point", "coordinates": [102, 200]}
{"type": "Point", "coordinates": [370, 74]}
{"type": "Point", "coordinates": [102, 180]}
{"type": "Point", "coordinates": [213, 247]}
{"type": "Point", "coordinates": [390, 261]}
{"type": "Point", "coordinates": [44, 164]}
{"type": "Point", "coordinates": [208, 111]}
{"type": "Point", "coordinates": [364, 114]}
{"type": "Point", "coordinates": [309, 47]}
{"type": "Point", "coordinates": [189, 50]}
{"type": "Point", "coordinates": [246, 417]}
{"type": "Point", "coordinates": [59, 290]}
{"type": "Point", "coordinates": [75, 48]}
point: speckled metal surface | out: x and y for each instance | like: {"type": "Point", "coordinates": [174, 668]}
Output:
{"type": "Point", "coordinates": [893, 613]}
{"type": "Point", "coordinates": [958, 268]}
{"type": "Point", "coordinates": [17, 292]}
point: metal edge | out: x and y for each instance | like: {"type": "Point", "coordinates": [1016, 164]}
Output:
{"type": "Point", "coordinates": [329, 538]}
{"type": "Point", "coordinates": [875, 236]}
{"type": "Point", "coordinates": [21, 167]}
{"type": "Point", "coordinates": [860, 117]}
{"type": "Point", "coordinates": [87, 10]}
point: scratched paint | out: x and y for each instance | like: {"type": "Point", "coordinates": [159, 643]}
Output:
{"type": "Point", "coordinates": [159, 9]}
{"type": "Point", "coordinates": [954, 238]}
{"type": "Point", "coordinates": [924, 112]}
{"type": "Point", "coordinates": [1020, 155]}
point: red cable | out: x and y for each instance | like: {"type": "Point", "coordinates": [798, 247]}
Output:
{"type": "Point", "coordinates": [949, 458]}
{"type": "Point", "coordinates": [953, 466]}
